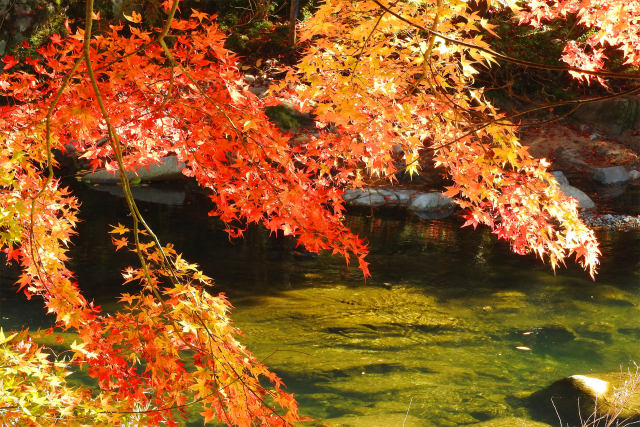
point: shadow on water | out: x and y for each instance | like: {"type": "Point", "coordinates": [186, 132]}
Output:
{"type": "Point", "coordinates": [450, 321]}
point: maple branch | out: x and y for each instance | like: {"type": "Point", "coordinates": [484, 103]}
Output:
{"type": "Point", "coordinates": [364, 44]}
{"type": "Point", "coordinates": [577, 103]}
{"type": "Point", "coordinates": [174, 63]}
{"type": "Point", "coordinates": [506, 57]}
{"type": "Point", "coordinates": [35, 255]}
{"type": "Point", "coordinates": [113, 135]}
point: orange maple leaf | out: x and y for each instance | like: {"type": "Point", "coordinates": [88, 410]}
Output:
{"type": "Point", "coordinates": [120, 243]}
{"type": "Point", "coordinates": [119, 229]}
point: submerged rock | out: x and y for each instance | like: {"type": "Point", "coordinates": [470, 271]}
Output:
{"type": "Point", "coordinates": [380, 420]}
{"type": "Point", "coordinates": [509, 422]}
{"type": "Point", "coordinates": [168, 169]}
{"type": "Point", "coordinates": [580, 399]}
{"type": "Point", "coordinates": [543, 339]}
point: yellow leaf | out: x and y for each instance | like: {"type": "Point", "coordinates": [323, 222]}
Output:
{"type": "Point", "coordinates": [135, 17]}
{"type": "Point", "coordinates": [513, 5]}
{"type": "Point", "coordinates": [4, 339]}
{"type": "Point", "coordinates": [120, 229]}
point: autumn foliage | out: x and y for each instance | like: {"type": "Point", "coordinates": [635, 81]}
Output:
{"type": "Point", "coordinates": [381, 78]}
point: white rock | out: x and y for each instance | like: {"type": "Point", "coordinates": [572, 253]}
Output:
{"type": "Point", "coordinates": [584, 201]}
{"type": "Point", "coordinates": [598, 387]}
{"type": "Point", "coordinates": [560, 177]}
{"type": "Point", "coordinates": [634, 174]}
{"type": "Point", "coordinates": [168, 169]}
{"type": "Point", "coordinates": [430, 202]}
{"type": "Point", "coordinates": [378, 197]}
{"type": "Point", "coordinates": [611, 175]}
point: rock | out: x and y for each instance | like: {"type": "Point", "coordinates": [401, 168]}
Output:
{"type": "Point", "coordinates": [634, 174]}
{"type": "Point", "coordinates": [380, 420]}
{"type": "Point", "coordinates": [610, 191]}
{"type": "Point", "coordinates": [570, 157]}
{"type": "Point", "coordinates": [612, 116]}
{"type": "Point", "coordinates": [168, 169]}
{"type": "Point", "coordinates": [543, 339]}
{"type": "Point", "coordinates": [258, 91]}
{"type": "Point", "coordinates": [584, 201]}
{"type": "Point", "coordinates": [428, 202]}
{"type": "Point", "coordinates": [611, 175]}
{"type": "Point", "coordinates": [509, 422]}
{"type": "Point", "coordinates": [579, 397]}
{"type": "Point", "coordinates": [378, 197]}
{"type": "Point", "coordinates": [425, 205]}
{"type": "Point", "coordinates": [287, 117]}
{"type": "Point", "coordinates": [612, 222]}
{"type": "Point", "coordinates": [560, 177]}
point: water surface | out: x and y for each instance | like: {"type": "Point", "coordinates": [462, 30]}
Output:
{"type": "Point", "coordinates": [434, 332]}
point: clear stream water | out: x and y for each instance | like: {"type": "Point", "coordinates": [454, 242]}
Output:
{"type": "Point", "coordinates": [434, 334]}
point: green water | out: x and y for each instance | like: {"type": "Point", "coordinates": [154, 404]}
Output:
{"type": "Point", "coordinates": [434, 333]}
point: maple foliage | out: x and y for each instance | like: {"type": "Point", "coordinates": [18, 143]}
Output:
{"type": "Point", "coordinates": [381, 77]}
{"type": "Point", "coordinates": [400, 76]}
{"type": "Point", "coordinates": [147, 99]}
{"type": "Point", "coordinates": [610, 24]}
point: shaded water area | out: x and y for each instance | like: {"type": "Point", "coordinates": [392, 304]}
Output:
{"type": "Point", "coordinates": [435, 332]}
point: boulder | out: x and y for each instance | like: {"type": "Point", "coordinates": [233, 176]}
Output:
{"type": "Point", "coordinates": [581, 399]}
{"type": "Point", "coordinates": [168, 169]}
{"type": "Point", "coordinates": [560, 178]}
{"type": "Point", "coordinates": [584, 201]}
{"type": "Point", "coordinates": [426, 205]}
{"type": "Point", "coordinates": [613, 116]}
{"type": "Point", "coordinates": [611, 175]}
{"type": "Point", "coordinates": [634, 174]}
{"type": "Point", "coordinates": [378, 197]}
{"type": "Point", "coordinates": [428, 202]}
{"type": "Point", "coordinates": [259, 90]}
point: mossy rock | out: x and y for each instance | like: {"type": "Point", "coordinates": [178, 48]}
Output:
{"type": "Point", "coordinates": [510, 422]}
{"type": "Point", "coordinates": [381, 420]}
{"type": "Point", "coordinates": [578, 399]}
{"type": "Point", "coordinates": [612, 116]}
{"type": "Point", "coordinates": [288, 118]}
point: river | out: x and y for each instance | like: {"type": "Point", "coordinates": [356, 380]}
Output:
{"type": "Point", "coordinates": [451, 330]}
